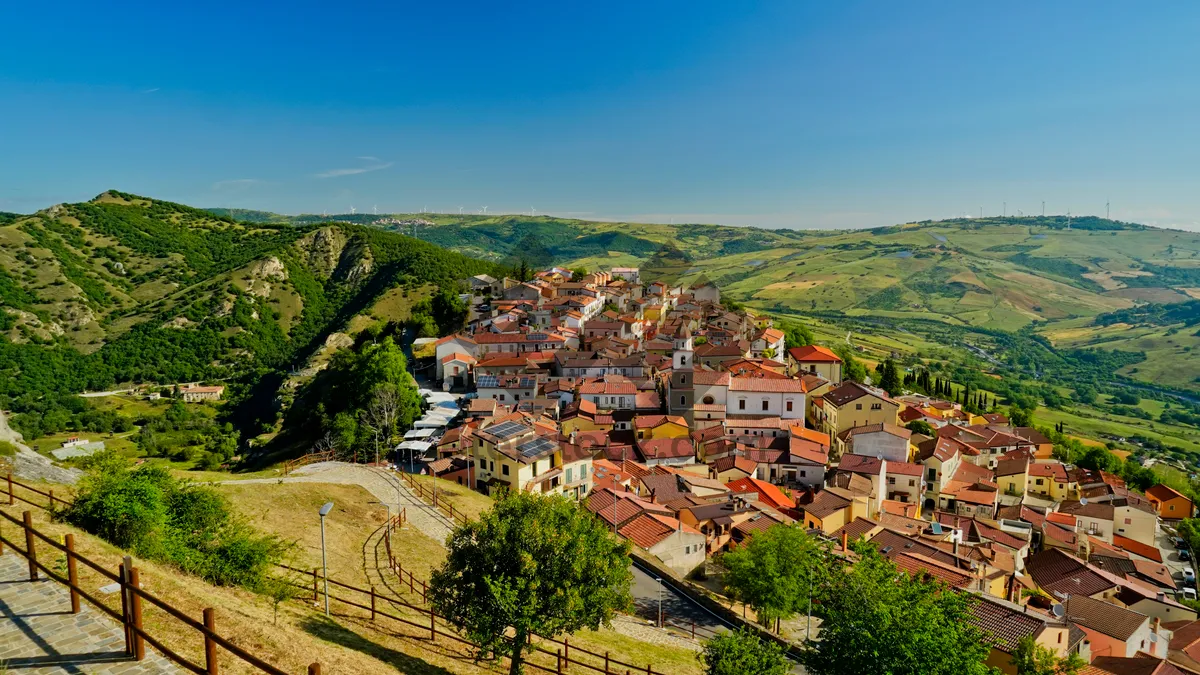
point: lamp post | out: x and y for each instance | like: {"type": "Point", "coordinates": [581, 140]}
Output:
{"type": "Point", "coordinates": [324, 562]}
{"type": "Point", "coordinates": [387, 527]}
{"type": "Point", "coordinates": [660, 587]}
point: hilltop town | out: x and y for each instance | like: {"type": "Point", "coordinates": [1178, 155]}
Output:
{"type": "Point", "coordinates": [687, 426]}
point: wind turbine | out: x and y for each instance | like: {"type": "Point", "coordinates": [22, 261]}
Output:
{"type": "Point", "coordinates": [460, 210]}
{"type": "Point", "coordinates": [532, 211]}
{"type": "Point", "coordinates": [376, 207]}
{"type": "Point", "coordinates": [351, 209]}
{"type": "Point", "coordinates": [485, 210]}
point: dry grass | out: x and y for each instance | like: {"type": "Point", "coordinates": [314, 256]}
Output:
{"type": "Point", "coordinates": [461, 497]}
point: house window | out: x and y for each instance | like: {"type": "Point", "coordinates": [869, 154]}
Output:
{"type": "Point", "coordinates": [858, 406]}
{"type": "Point", "coordinates": [912, 482]}
{"type": "Point", "coordinates": [766, 404]}
{"type": "Point", "coordinates": [682, 400]}
{"type": "Point", "coordinates": [789, 406]}
{"type": "Point", "coordinates": [1038, 481]}
{"type": "Point", "coordinates": [803, 473]}
{"type": "Point", "coordinates": [480, 463]}
{"type": "Point", "coordinates": [1129, 521]}
{"type": "Point", "coordinates": [932, 475]}
{"type": "Point", "coordinates": [876, 406]}
{"type": "Point", "coordinates": [504, 469]}
{"type": "Point", "coordinates": [491, 465]}
{"type": "Point", "coordinates": [683, 360]}
{"type": "Point", "coordinates": [582, 471]}
{"type": "Point", "coordinates": [682, 379]}
{"type": "Point", "coordinates": [891, 480]}
{"type": "Point", "coordinates": [569, 474]}
{"type": "Point", "coordinates": [741, 404]}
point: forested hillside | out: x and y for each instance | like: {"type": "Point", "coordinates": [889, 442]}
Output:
{"type": "Point", "coordinates": [124, 289]}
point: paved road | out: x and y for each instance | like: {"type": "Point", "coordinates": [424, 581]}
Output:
{"type": "Point", "coordinates": [677, 609]}
{"type": "Point", "coordinates": [38, 633]}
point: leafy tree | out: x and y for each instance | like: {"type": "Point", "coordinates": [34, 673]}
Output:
{"type": "Point", "coordinates": [1020, 417]}
{"type": "Point", "coordinates": [448, 310]}
{"type": "Point", "coordinates": [1030, 658]}
{"type": "Point", "coordinates": [890, 378]}
{"type": "Point", "coordinates": [775, 571]}
{"type": "Point", "coordinates": [769, 353]}
{"type": "Point", "coordinates": [532, 565]}
{"type": "Point", "coordinates": [852, 368]}
{"type": "Point", "coordinates": [878, 620]}
{"type": "Point", "coordinates": [741, 652]}
{"type": "Point", "coordinates": [578, 273]}
{"type": "Point", "coordinates": [1085, 394]}
{"type": "Point", "coordinates": [920, 427]}
{"type": "Point", "coordinates": [796, 335]}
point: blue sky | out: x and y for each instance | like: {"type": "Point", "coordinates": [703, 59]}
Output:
{"type": "Point", "coordinates": [785, 114]}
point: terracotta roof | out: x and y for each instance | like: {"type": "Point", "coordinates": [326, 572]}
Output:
{"type": "Point", "coordinates": [1157, 573]}
{"type": "Point", "coordinates": [1140, 664]}
{"type": "Point", "coordinates": [1004, 623]}
{"type": "Point", "coordinates": [651, 421]}
{"type": "Point", "coordinates": [1053, 470]}
{"type": "Point", "coordinates": [730, 462]}
{"type": "Point", "coordinates": [811, 353]}
{"type": "Point", "coordinates": [1103, 617]}
{"type": "Point", "coordinates": [647, 531]}
{"type": "Point", "coordinates": [705, 378]}
{"type": "Point", "coordinates": [904, 468]}
{"type": "Point", "coordinates": [849, 391]}
{"type": "Point", "coordinates": [458, 356]}
{"type": "Point", "coordinates": [1164, 492]}
{"type": "Point", "coordinates": [1053, 570]}
{"type": "Point", "coordinates": [825, 504]}
{"type": "Point", "coordinates": [666, 448]}
{"type": "Point", "coordinates": [876, 428]}
{"type": "Point", "coordinates": [900, 522]}
{"type": "Point", "coordinates": [1144, 550]}
{"type": "Point", "coordinates": [859, 528]}
{"type": "Point", "coordinates": [767, 385]}
{"type": "Point", "coordinates": [861, 464]}
{"type": "Point", "coordinates": [918, 565]}
{"type": "Point", "coordinates": [767, 493]}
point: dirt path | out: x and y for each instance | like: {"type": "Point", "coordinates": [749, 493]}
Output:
{"type": "Point", "coordinates": [30, 465]}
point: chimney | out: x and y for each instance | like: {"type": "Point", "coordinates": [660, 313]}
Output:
{"type": "Point", "coordinates": [955, 540]}
{"type": "Point", "coordinates": [845, 540]}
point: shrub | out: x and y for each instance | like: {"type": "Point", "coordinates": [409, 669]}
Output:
{"type": "Point", "coordinates": [158, 516]}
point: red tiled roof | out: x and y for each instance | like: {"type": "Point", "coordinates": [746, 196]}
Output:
{"type": "Point", "coordinates": [767, 385]}
{"type": "Point", "coordinates": [767, 493]}
{"type": "Point", "coordinates": [1127, 544]}
{"type": "Point", "coordinates": [815, 353]}
{"type": "Point", "coordinates": [904, 468]}
{"type": "Point", "coordinates": [666, 448]}
{"type": "Point", "coordinates": [646, 531]}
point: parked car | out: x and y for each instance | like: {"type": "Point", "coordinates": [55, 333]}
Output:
{"type": "Point", "coordinates": [1185, 554]}
{"type": "Point", "coordinates": [1189, 576]}
{"type": "Point", "coordinates": [1181, 543]}
{"type": "Point", "coordinates": [1189, 594]}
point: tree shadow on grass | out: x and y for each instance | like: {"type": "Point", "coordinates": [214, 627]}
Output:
{"type": "Point", "coordinates": [336, 633]}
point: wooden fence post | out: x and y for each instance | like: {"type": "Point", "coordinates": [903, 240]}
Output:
{"type": "Point", "coordinates": [372, 603]}
{"type": "Point", "coordinates": [50, 494]}
{"type": "Point", "coordinates": [432, 628]}
{"type": "Point", "coordinates": [12, 498]}
{"type": "Point", "coordinates": [424, 592]}
{"type": "Point", "coordinates": [30, 550]}
{"type": "Point", "coordinates": [314, 669]}
{"type": "Point", "coordinates": [210, 645]}
{"type": "Point", "coordinates": [315, 593]}
{"type": "Point", "coordinates": [567, 651]}
{"type": "Point", "coordinates": [123, 576]}
{"type": "Point", "coordinates": [135, 606]}
{"type": "Point", "coordinates": [605, 663]}
{"type": "Point", "coordinates": [558, 662]}
{"type": "Point", "coordinates": [72, 573]}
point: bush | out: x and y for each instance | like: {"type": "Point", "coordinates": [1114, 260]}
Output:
{"type": "Point", "coordinates": [7, 449]}
{"type": "Point", "coordinates": [157, 516]}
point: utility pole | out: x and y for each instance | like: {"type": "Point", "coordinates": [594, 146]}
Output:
{"type": "Point", "coordinates": [1043, 208]}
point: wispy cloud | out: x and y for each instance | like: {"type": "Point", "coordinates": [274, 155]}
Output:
{"type": "Point", "coordinates": [150, 91]}
{"type": "Point", "coordinates": [235, 184]}
{"type": "Point", "coordinates": [373, 164]}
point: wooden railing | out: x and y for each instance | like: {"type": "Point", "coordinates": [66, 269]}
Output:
{"type": "Point", "coordinates": [431, 496]}
{"type": "Point", "coordinates": [132, 597]}
{"type": "Point", "coordinates": [311, 458]}
{"type": "Point", "coordinates": [564, 648]}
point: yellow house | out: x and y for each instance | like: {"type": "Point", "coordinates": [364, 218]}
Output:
{"type": "Point", "coordinates": [1012, 476]}
{"type": "Point", "coordinates": [653, 427]}
{"type": "Point", "coordinates": [1048, 480]}
{"type": "Point", "coordinates": [511, 455]}
{"type": "Point", "coordinates": [852, 405]}
{"type": "Point", "coordinates": [583, 416]}
{"type": "Point", "coordinates": [833, 508]}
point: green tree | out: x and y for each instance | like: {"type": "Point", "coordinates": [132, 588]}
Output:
{"type": "Point", "coordinates": [1030, 658]}
{"type": "Point", "coordinates": [796, 335]}
{"type": "Point", "coordinates": [852, 368]}
{"type": "Point", "coordinates": [1020, 417]}
{"type": "Point", "coordinates": [920, 427]}
{"type": "Point", "coordinates": [578, 273]}
{"type": "Point", "coordinates": [769, 353]}
{"type": "Point", "coordinates": [741, 652]}
{"type": "Point", "coordinates": [878, 620]}
{"type": "Point", "coordinates": [532, 565]}
{"type": "Point", "coordinates": [890, 378]}
{"type": "Point", "coordinates": [775, 571]}
{"type": "Point", "coordinates": [448, 310]}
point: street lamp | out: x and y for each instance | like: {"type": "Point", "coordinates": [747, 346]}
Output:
{"type": "Point", "coordinates": [660, 587]}
{"type": "Point", "coordinates": [324, 562]}
{"type": "Point", "coordinates": [387, 528]}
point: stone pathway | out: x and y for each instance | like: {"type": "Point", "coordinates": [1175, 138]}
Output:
{"type": "Point", "coordinates": [38, 633]}
{"type": "Point", "coordinates": [381, 483]}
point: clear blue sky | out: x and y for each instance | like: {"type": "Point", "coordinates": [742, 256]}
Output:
{"type": "Point", "coordinates": [794, 114]}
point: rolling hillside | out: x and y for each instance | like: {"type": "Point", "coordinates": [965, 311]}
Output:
{"type": "Point", "coordinates": [126, 289]}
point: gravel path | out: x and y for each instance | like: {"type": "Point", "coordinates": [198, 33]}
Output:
{"type": "Point", "coordinates": [30, 465]}
{"type": "Point", "coordinates": [383, 485]}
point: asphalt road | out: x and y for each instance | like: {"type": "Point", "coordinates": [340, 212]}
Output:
{"type": "Point", "coordinates": [677, 609]}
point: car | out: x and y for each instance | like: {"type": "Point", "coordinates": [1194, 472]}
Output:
{"type": "Point", "coordinates": [1185, 554]}
{"type": "Point", "coordinates": [1181, 544]}
{"type": "Point", "coordinates": [1189, 594]}
{"type": "Point", "coordinates": [1189, 576]}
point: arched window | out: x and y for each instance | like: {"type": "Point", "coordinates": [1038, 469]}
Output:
{"type": "Point", "coordinates": [708, 400]}
{"type": "Point", "coordinates": [683, 379]}
{"type": "Point", "coordinates": [682, 360]}
{"type": "Point", "coordinates": [682, 400]}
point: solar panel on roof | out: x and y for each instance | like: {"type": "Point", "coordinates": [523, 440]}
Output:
{"type": "Point", "coordinates": [536, 447]}
{"type": "Point", "coordinates": [507, 429]}
{"type": "Point", "coordinates": [487, 381]}
{"type": "Point", "coordinates": [537, 336]}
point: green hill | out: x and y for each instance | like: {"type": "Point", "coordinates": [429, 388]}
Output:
{"type": "Point", "coordinates": [125, 289]}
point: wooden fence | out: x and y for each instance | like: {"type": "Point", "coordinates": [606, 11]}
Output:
{"type": "Point", "coordinates": [311, 458]}
{"type": "Point", "coordinates": [429, 495]}
{"type": "Point", "coordinates": [132, 596]}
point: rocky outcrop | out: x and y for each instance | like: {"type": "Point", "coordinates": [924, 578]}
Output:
{"type": "Point", "coordinates": [331, 254]}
